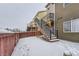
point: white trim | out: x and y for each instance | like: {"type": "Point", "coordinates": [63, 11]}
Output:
{"type": "Point", "coordinates": [63, 5]}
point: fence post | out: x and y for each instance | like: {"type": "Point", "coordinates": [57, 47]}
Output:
{"type": "Point", "coordinates": [2, 50]}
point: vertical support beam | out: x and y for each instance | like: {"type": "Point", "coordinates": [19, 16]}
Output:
{"type": "Point", "coordinates": [54, 20]}
{"type": "Point", "coordinates": [41, 23]}
{"type": "Point", "coordinates": [0, 46]}
{"type": "Point", "coordinates": [50, 34]}
{"type": "Point", "coordinates": [2, 50]}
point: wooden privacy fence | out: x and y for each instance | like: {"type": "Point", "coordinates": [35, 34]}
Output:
{"type": "Point", "coordinates": [9, 40]}
{"type": "Point", "coordinates": [29, 33]}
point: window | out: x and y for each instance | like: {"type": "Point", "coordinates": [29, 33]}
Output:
{"type": "Point", "coordinates": [67, 26]}
{"type": "Point", "coordinates": [75, 25]}
{"type": "Point", "coordinates": [71, 26]}
{"type": "Point", "coordinates": [65, 4]}
{"type": "Point", "coordinates": [51, 15]}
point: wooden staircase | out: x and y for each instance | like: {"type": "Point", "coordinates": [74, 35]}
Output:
{"type": "Point", "coordinates": [45, 31]}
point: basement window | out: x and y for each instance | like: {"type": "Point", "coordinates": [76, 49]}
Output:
{"type": "Point", "coordinates": [71, 26]}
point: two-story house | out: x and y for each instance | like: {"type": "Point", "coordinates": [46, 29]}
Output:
{"type": "Point", "coordinates": [66, 20]}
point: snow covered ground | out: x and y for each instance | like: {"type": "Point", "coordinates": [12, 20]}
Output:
{"type": "Point", "coordinates": [34, 46]}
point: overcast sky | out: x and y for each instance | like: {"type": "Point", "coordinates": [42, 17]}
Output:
{"type": "Point", "coordinates": [18, 15]}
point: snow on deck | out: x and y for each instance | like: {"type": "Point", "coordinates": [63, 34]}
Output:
{"type": "Point", "coordinates": [34, 46]}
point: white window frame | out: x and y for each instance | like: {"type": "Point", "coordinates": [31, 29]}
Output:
{"type": "Point", "coordinates": [74, 25]}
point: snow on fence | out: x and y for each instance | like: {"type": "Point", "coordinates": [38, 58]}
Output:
{"type": "Point", "coordinates": [9, 40]}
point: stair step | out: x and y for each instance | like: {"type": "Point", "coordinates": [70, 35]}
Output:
{"type": "Point", "coordinates": [48, 39]}
{"type": "Point", "coordinates": [53, 40]}
{"type": "Point", "coordinates": [53, 37]}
